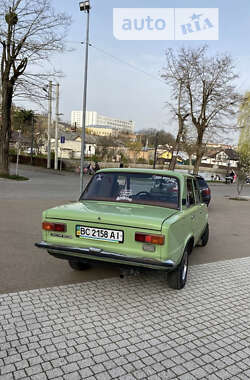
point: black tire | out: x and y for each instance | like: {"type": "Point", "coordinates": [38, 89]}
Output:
{"type": "Point", "coordinates": [205, 237]}
{"type": "Point", "coordinates": [178, 278]}
{"type": "Point", "coordinates": [79, 265]}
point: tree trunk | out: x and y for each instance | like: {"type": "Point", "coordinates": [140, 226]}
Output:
{"type": "Point", "coordinates": [199, 152]}
{"type": "Point", "coordinates": [176, 145]}
{"type": "Point", "coordinates": [240, 185]}
{"type": "Point", "coordinates": [5, 127]}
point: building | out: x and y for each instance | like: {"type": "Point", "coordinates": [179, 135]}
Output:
{"type": "Point", "coordinates": [94, 119]}
{"type": "Point", "coordinates": [226, 158]}
{"type": "Point", "coordinates": [71, 148]}
{"type": "Point", "coordinates": [100, 130]}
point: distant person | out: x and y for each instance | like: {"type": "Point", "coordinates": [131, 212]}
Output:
{"type": "Point", "coordinates": [90, 169]}
{"type": "Point", "coordinates": [212, 177]}
{"type": "Point", "coordinates": [232, 175]}
{"type": "Point", "coordinates": [96, 167]}
{"type": "Point", "coordinates": [121, 164]}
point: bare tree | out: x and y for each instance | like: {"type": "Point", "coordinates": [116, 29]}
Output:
{"type": "Point", "coordinates": [209, 91]}
{"type": "Point", "coordinates": [30, 31]}
{"type": "Point", "coordinates": [179, 106]}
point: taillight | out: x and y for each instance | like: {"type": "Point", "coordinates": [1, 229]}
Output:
{"type": "Point", "coordinates": [152, 239]}
{"type": "Point", "coordinates": [57, 227]}
{"type": "Point", "coordinates": [206, 191]}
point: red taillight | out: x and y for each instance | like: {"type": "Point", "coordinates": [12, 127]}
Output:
{"type": "Point", "coordinates": [206, 191]}
{"type": "Point", "coordinates": [57, 227]}
{"type": "Point", "coordinates": [152, 239]}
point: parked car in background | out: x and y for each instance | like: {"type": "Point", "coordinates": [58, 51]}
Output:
{"type": "Point", "coordinates": [142, 218]}
{"type": "Point", "coordinates": [205, 189]}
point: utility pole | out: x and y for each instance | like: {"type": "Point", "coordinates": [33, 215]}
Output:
{"type": "Point", "coordinates": [49, 124]}
{"type": "Point", "coordinates": [32, 140]}
{"type": "Point", "coordinates": [18, 143]}
{"type": "Point", "coordinates": [84, 6]}
{"type": "Point", "coordinates": [156, 146]}
{"type": "Point", "coordinates": [56, 129]}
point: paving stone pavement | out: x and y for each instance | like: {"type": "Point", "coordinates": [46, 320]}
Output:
{"type": "Point", "coordinates": [131, 328]}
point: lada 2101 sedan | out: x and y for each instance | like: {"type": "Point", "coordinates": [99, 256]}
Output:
{"type": "Point", "coordinates": [134, 217]}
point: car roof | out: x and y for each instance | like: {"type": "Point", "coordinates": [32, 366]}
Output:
{"type": "Point", "coordinates": [172, 173]}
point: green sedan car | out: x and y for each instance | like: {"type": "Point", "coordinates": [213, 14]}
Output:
{"type": "Point", "coordinates": [143, 218]}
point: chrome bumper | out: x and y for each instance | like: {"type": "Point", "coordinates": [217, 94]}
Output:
{"type": "Point", "coordinates": [92, 253]}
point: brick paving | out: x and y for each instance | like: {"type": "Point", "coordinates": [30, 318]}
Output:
{"type": "Point", "coordinates": [131, 328]}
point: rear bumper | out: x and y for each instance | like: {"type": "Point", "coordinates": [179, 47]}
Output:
{"type": "Point", "coordinates": [94, 254]}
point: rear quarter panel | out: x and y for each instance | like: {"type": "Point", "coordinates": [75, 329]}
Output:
{"type": "Point", "coordinates": [178, 233]}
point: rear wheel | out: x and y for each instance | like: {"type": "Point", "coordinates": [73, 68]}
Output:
{"type": "Point", "coordinates": [79, 265]}
{"type": "Point", "coordinates": [205, 237]}
{"type": "Point", "coordinates": [178, 278]}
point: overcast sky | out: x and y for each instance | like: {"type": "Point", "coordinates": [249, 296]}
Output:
{"type": "Point", "coordinates": [116, 89]}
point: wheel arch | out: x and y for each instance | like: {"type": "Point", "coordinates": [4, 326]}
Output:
{"type": "Point", "coordinates": [189, 244]}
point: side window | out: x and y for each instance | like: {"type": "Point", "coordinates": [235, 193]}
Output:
{"type": "Point", "coordinates": [190, 193]}
{"type": "Point", "coordinates": [197, 191]}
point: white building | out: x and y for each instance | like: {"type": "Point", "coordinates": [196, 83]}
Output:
{"type": "Point", "coordinates": [226, 158]}
{"type": "Point", "coordinates": [93, 119]}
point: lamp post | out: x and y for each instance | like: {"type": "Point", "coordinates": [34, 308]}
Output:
{"type": "Point", "coordinates": [156, 146]}
{"type": "Point", "coordinates": [49, 124]}
{"type": "Point", "coordinates": [56, 129]}
{"type": "Point", "coordinates": [84, 7]}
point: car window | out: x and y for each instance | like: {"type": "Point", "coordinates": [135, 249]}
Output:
{"type": "Point", "coordinates": [190, 193]}
{"type": "Point", "coordinates": [142, 188]}
{"type": "Point", "coordinates": [197, 192]}
{"type": "Point", "coordinates": [202, 183]}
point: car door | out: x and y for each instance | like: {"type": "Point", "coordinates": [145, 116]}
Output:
{"type": "Point", "coordinates": [194, 208]}
{"type": "Point", "coordinates": [201, 217]}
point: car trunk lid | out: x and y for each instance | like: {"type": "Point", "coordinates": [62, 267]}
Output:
{"type": "Point", "coordinates": [113, 214]}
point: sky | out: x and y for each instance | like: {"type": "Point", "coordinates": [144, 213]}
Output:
{"type": "Point", "coordinates": [118, 90]}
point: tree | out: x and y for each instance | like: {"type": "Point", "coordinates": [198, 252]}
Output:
{"type": "Point", "coordinates": [147, 137]}
{"type": "Point", "coordinates": [135, 147]}
{"type": "Point", "coordinates": [29, 32]}
{"type": "Point", "coordinates": [22, 120]}
{"type": "Point", "coordinates": [208, 91]}
{"type": "Point", "coordinates": [188, 144]}
{"type": "Point", "coordinates": [243, 169]}
{"type": "Point", "coordinates": [244, 120]}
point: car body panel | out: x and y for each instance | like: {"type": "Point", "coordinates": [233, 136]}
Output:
{"type": "Point", "coordinates": [121, 214]}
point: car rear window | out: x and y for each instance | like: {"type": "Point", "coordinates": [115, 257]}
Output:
{"type": "Point", "coordinates": [150, 189]}
{"type": "Point", "coordinates": [202, 183]}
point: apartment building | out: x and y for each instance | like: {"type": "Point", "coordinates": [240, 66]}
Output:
{"type": "Point", "coordinates": [94, 119]}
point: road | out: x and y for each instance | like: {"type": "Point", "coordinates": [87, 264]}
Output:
{"type": "Point", "coordinates": [24, 267]}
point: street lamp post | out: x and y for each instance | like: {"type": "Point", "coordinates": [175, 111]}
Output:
{"type": "Point", "coordinates": [32, 139]}
{"type": "Point", "coordinates": [56, 129]}
{"type": "Point", "coordinates": [156, 146]}
{"type": "Point", "coordinates": [49, 124]}
{"type": "Point", "coordinates": [84, 7]}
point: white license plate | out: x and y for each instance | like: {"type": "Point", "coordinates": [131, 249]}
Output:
{"type": "Point", "coordinates": [99, 234]}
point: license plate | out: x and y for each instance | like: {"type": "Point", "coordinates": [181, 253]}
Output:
{"type": "Point", "coordinates": [84, 232]}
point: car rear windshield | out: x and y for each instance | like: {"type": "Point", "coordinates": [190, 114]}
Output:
{"type": "Point", "coordinates": [202, 183]}
{"type": "Point", "coordinates": [148, 189]}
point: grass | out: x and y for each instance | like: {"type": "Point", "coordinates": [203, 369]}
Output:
{"type": "Point", "coordinates": [14, 177]}
{"type": "Point", "coordinates": [237, 199]}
